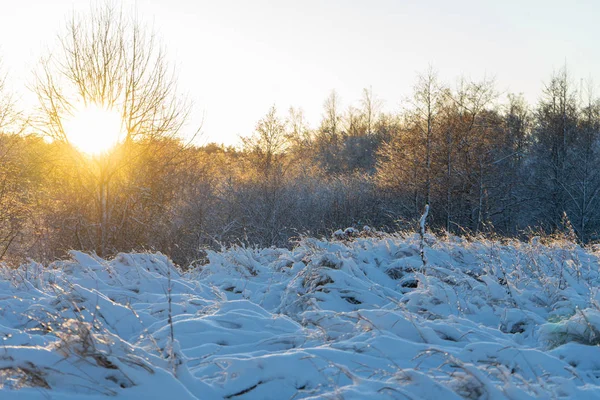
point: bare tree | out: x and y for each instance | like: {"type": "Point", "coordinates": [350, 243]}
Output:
{"type": "Point", "coordinates": [9, 114]}
{"type": "Point", "coordinates": [331, 115]}
{"type": "Point", "coordinates": [16, 174]}
{"type": "Point", "coordinates": [426, 104]}
{"type": "Point", "coordinates": [328, 140]}
{"type": "Point", "coordinates": [582, 183]}
{"type": "Point", "coordinates": [268, 144]}
{"type": "Point", "coordinates": [299, 132]}
{"type": "Point", "coordinates": [266, 153]}
{"type": "Point", "coordinates": [406, 162]}
{"type": "Point", "coordinates": [555, 132]}
{"type": "Point", "coordinates": [109, 59]}
{"type": "Point", "coordinates": [371, 107]}
{"type": "Point", "coordinates": [510, 212]}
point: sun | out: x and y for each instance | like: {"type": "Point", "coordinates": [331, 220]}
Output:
{"type": "Point", "coordinates": [94, 130]}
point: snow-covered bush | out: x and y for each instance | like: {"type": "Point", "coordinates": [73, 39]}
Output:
{"type": "Point", "coordinates": [350, 318]}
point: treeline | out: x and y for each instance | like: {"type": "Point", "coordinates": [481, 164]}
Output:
{"type": "Point", "coordinates": [483, 164]}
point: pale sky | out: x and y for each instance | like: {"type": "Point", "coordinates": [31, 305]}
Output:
{"type": "Point", "coordinates": [236, 58]}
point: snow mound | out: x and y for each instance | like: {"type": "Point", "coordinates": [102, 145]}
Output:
{"type": "Point", "coordinates": [355, 317]}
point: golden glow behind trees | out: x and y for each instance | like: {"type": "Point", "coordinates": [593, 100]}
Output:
{"type": "Point", "coordinates": [108, 90]}
{"type": "Point", "coordinates": [109, 60]}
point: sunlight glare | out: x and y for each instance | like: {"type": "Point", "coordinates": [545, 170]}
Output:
{"type": "Point", "coordinates": [94, 130]}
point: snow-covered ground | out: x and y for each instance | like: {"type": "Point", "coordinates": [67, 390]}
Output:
{"type": "Point", "coordinates": [350, 318]}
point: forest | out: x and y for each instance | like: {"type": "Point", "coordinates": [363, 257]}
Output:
{"type": "Point", "coordinates": [486, 162]}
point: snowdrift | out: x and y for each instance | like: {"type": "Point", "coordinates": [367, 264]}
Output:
{"type": "Point", "coordinates": [355, 317]}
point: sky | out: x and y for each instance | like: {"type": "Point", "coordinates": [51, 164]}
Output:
{"type": "Point", "coordinates": [237, 58]}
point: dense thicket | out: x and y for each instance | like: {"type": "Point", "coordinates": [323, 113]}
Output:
{"type": "Point", "coordinates": [482, 165]}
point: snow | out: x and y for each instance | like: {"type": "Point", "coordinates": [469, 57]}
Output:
{"type": "Point", "coordinates": [354, 317]}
